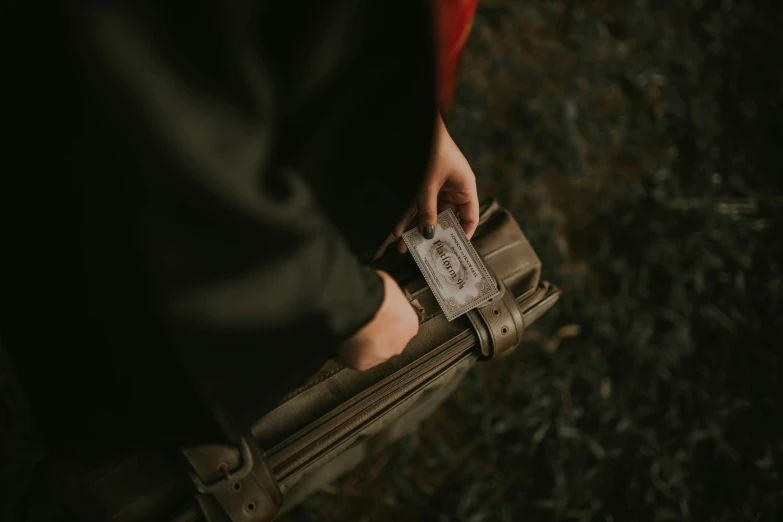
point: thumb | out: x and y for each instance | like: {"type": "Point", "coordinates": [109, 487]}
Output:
{"type": "Point", "coordinates": [427, 202]}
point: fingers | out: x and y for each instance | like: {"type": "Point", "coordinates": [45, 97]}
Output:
{"type": "Point", "coordinates": [427, 201]}
{"type": "Point", "coordinates": [469, 214]}
{"type": "Point", "coordinates": [402, 225]}
{"type": "Point", "coordinates": [442, 206]}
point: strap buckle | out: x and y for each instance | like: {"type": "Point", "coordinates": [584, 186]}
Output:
{"type": "Point", "coordinates": [246, 460]}
{"type": "Point", "coordinates": [498, 323]}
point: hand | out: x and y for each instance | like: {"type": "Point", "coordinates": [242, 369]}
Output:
{"type": "Point", "coordinates": [387, 334]}
{"type": "Point", "coordinates": [449, 183]}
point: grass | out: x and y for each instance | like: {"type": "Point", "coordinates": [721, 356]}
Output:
{"type": "Point", "coordinates": [639, 148]}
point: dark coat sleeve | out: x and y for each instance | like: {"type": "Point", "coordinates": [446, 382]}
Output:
{"type": "Point", "coordinates": [250, 280]}
{"type": "Point", "coordinates": [176, 223]}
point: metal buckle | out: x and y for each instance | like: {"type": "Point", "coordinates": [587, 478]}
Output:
{"type": "Point", "coordinates": [229, 476]}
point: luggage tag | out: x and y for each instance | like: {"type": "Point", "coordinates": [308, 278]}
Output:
{"type": "Point", "coordinates": [451, 266]}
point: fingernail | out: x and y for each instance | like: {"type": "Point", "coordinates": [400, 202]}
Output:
{"type": "Point", "coordinates": [428, 232]}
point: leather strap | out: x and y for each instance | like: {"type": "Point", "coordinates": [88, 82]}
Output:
{"type": "Point", "coordinates": [238, 480]}
{"type": "Point", "coordinates": [499, 324]}
{"type": "Point", "coordinates": [335, 431]}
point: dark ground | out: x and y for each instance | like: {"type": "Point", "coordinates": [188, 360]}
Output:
{"type": "Point", "coordinates": [640, 148]}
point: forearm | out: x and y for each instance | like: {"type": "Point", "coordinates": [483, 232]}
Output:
{"type": "Point", "coordinates": [243, 264]}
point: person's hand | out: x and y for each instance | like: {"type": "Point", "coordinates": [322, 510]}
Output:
{"type": "Point", "coordinates": [387, 334]}
{"type": "Point", "coordinates": [449, 183]}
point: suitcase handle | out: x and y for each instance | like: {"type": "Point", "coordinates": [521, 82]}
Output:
{"type": "Point", "coordinates": [340, 427]}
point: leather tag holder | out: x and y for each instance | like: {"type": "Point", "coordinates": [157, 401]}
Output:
{"type": "Point", "coordinates": [499, 323]}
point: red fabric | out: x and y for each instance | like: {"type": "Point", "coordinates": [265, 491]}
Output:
{"type": "Point", "coordinates": [454, 20]}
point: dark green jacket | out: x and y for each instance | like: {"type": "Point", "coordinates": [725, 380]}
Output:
{"type": "Point", "coordinates": [192, 220]}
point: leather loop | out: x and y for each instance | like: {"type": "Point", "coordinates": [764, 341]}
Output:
{"type": "Point", "coordinates": [499, 323]}
{"type": "Point", "coordinates": [484, 344]}
{"type": "Point", "coordinates": [420, 312]}
{"type": "Point", "coordinates": [239, 481]}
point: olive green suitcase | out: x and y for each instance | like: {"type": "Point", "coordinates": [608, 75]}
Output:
{"type": "Point", "coordinates": [328, 425]}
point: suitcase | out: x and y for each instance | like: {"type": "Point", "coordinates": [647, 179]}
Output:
{"type": "Point", "coordinates": [328, 425]}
